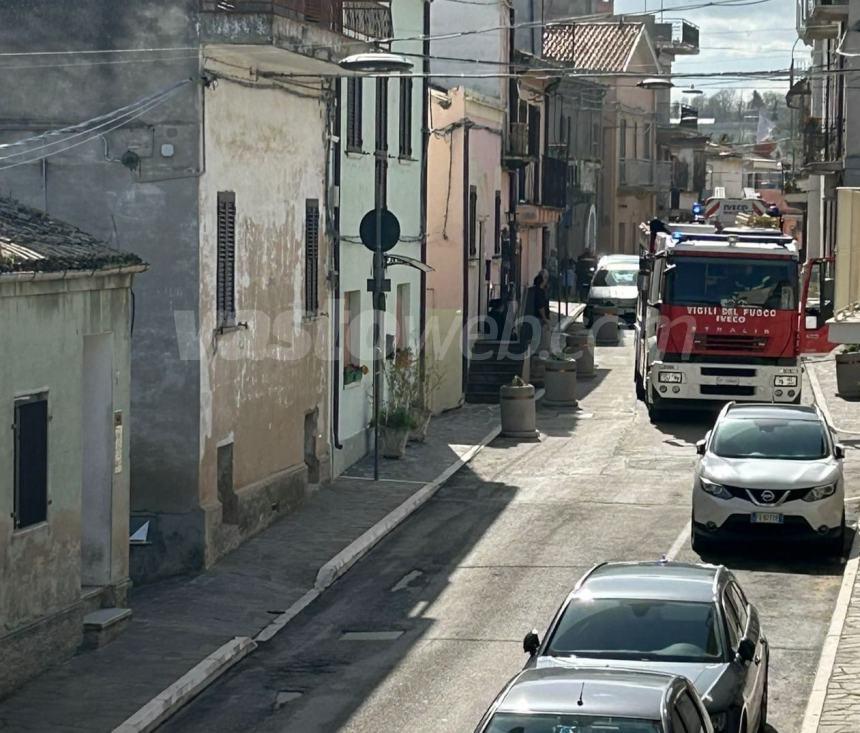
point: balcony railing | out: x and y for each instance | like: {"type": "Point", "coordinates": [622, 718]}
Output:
{"type": "Point", "coordinates": [818, 18]}
{"type": "Point", "coordinates": [362, 19]}
{"type": "Point", "coordinates": [677, 36]}
{"type": "Point", "coordinates": [518, 140]}
{"type": "Point", "coordinates": [663, 175]}
{"type": "Point", "coordinates": [554, 182]}
{"type": "Point", "coordinates": [636, 173]}
{"type": "Point", "coordinates": [822, 145]}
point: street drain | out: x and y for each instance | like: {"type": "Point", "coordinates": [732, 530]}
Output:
{"type": "Point", "coordinates": [370, 635]}
{"type": "Point", "coordinates": [285, 696]}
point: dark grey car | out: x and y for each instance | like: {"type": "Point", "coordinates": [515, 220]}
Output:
{"type": "Point", "coordinates": [552, 700]}
{"type": "Point", "coordinates": [685, 619]}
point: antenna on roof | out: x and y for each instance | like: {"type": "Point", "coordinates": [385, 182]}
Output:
{"type": "Point", "coordinates": [581, 691]}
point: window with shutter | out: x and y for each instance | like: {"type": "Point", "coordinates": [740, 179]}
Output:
{"type": "Point", "coordinates": [31, 460]}
{"type": "Point", "coordinates": [406, 118]}
{"type": "Point", "coordinates": [381, 115]}
{"type": "Point", "coordinates": [312, 256]}
{"type": "Point", "coordinates": [353, 114]}
{"type": "Point", "coordinates": [473, 220]}
{"type": "Point", "coordinates": [225, 287]}
{"type": "Point", "coordinates": [497, 225]}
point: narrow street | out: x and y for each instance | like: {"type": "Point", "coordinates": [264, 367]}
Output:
{"type": "Point", "coordinates": [423, 632]}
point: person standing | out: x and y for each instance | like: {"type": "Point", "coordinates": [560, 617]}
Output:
{"type": "Point", "coordinates": [537, 325]}
{"type": "Point", "coordinates": [585, 265]}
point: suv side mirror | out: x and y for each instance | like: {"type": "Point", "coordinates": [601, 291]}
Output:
{"type": "Point", "coordinates": [531, 643]}
{"type": "Point", "coordinates": [700, 446]}
{"type": "Point", "coordinates": [746, 650]}
{"type": "Point", "coordinates": [839, 451]}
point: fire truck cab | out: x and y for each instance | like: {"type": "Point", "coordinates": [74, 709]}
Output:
{"type": "Point", "coordinates": [718, 318]}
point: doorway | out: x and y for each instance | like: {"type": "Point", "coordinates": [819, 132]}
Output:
{"type": "Point", "coordinates": [97, 460]}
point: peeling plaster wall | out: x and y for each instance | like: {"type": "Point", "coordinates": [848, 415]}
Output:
{"type": "Point", "coordinates": [404, 200]}
{"type": "Point", "coordinates": [40, 565]}
{"type": "Point", "coordinates": [151, 210]}
{"type": "Point", "coordinates": [257, 384]}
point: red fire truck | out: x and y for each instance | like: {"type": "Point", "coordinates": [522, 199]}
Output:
{"type": "Point", "coordinates": [721, 317]}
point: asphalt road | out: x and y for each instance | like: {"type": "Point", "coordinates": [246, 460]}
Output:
{"type": "Point", "coordinates": [447, 598]}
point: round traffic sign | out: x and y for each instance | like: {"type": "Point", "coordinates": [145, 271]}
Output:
{"type": "Point", "coordinates": [390, 230]}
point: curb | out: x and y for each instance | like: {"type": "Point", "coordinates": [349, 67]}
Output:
{"type": "Point", "coordinates": [191, 684]}
{"type": "Point", "coordinates": [353, 552]}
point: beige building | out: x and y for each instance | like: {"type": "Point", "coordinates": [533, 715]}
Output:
{"type": "Point", "coordinates": [631, 173]}
{"type": "Point", "coordinates": [65, 327]}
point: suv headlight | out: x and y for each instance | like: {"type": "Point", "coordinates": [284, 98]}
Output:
{"type": "Point", "coordinates": [785, 380]}
{"type": "Point", "coordinates": [818, 493]}
{"type": "Point", "coordinates": [718, 490]}
{"type": "Point", "coordinates": [672, 377]}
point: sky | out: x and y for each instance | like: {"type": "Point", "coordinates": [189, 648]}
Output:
{"type": "Point", "coordinates": [750, 37]}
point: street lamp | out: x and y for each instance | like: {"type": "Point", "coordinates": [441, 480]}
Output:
{"type": "Point", "coordinates": [692, 90]}
{"type": "Point", "coordinates": [655, 83]}
{"type": "Point", "coordinates": [377, 62]}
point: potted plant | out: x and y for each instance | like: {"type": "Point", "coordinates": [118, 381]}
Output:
{"type": "Point", "coordinates": [395, 423]}
{"type": "Point", "coordinates": [848, 371]}
{"type": "Point", "coordinates": [353, 373]}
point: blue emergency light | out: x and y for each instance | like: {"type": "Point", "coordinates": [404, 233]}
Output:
{"type": "Point", "coordinates": [697, 209]}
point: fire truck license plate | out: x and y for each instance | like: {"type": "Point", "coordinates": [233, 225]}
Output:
{"type": "Point", "coordinates": [766, 518]}
{"type": "Point", "coordinates": [728, 380]}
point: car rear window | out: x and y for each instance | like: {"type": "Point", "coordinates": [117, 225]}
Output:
{"type": "Point", "coordinates": [774, 438]}
{"type": "Point", "coordinates": [537, 723]}
{"type": "Point", "coordinates": [635, 629]}
{"type": "Point", "coordinates": [615, 276]}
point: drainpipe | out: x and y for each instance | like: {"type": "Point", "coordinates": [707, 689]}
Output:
{"type": "Point", "coordinates": [425, 142]}
{"type": "Point", "coordinates": [466, 229]}
{"type": "Point", "coordinates": [332, 171]}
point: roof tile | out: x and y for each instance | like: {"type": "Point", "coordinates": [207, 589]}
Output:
{"type": "Point", "coordinates": [599, 46]}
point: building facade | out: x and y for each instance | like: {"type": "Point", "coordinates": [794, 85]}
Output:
{"type": "Point", "coordinates": [380, 153]}
{"type": "Point", "coordinates": [216, 165]}
{"type": "Point", "coordinates": [65, 325]}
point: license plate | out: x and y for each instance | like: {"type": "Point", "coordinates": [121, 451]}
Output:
{"type": "Point", "coordinates": [766, 518]}
{"type": "Point", "coordinates": [728, 380]}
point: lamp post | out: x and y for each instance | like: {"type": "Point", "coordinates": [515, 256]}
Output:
{"type": "Point", "coordinates": [380, 63]}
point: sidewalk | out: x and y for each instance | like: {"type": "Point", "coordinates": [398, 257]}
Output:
{"type": "Point", "coordinates": [836, 691]}
{"type": "Point", "coordinates": [178, 623]}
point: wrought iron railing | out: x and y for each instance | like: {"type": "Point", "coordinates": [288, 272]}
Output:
{"type": "Point", "coordinates": [554, 182]}
{"type": "Point", "coordinates": [518, 139]}
{"type": "Point", "coordinates": [822, 143]}
{"type": "Point", "coordinates": [677, 33]}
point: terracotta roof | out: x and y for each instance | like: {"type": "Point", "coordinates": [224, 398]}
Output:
{"type": "Point", "coordinates": [601, 46]}
{"type": "Point", "coordinates": [31, 241]}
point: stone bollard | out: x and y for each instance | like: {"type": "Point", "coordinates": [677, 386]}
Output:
{"type": "Point", "coordinates": [537, 369]}
{"type": "Point", "coordinates": [580, 345]}
{"type": "Point", "coordinates": [607, 330]}
{"type": "Point", "coordinates": [517, 404]}
{"type": "Point", "coordinates": [560, 382]}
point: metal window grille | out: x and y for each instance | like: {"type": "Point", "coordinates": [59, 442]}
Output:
{"type": "Point", "coordinates": [381, 115]}
{"type": "Point", "coordinates": [312, 255]}
{"type": "Point", "coordinates": [225, 287]}
{"type": "Point", "coordinates": [31, 461]}
{"type": "Point", "coordinates": [353, 114]}
{"type": "Point", "coordinates": [473, 220]}
{"type": "Point", "coordinates": [406, 118]}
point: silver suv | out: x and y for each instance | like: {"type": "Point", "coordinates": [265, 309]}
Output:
{"type": "Point", "coordinates": [768, 470]}
{"type": "Point", "coordinates": [596, 701]}
{"type": "Point", "coordinates": [684, 619]}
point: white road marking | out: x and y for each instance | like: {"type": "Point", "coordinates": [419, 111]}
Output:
{"type": "Point", "coordinates": [815, 705]}
{"type": "Point", "coordinates": [418, 609]}
{"type": "Point", "coordinates": [404, 582]}
{"type": "Point", "coordinates": [680, 541]}
{"type": "Point", "coordinates": [370, 635]}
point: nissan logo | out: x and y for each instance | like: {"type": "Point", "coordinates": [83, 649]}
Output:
{"type": "Point", "coordinates": [767, 497]}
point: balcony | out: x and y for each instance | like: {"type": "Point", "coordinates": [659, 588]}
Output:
{"type": "Point", "coordinates": [554, 182]}
{"type": "Point", "coordinates": [822, 147]}
{"type": "Point", "coordinates": [317, 28]}
{"type": "Point", "coordinates": [663, 175]}
{"type": "Point", "coordinates": [819, 19]}
{"type": "Point", "coordinates": [517, 152]}
{"type": "Point", "coordinates": [677, 37]}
